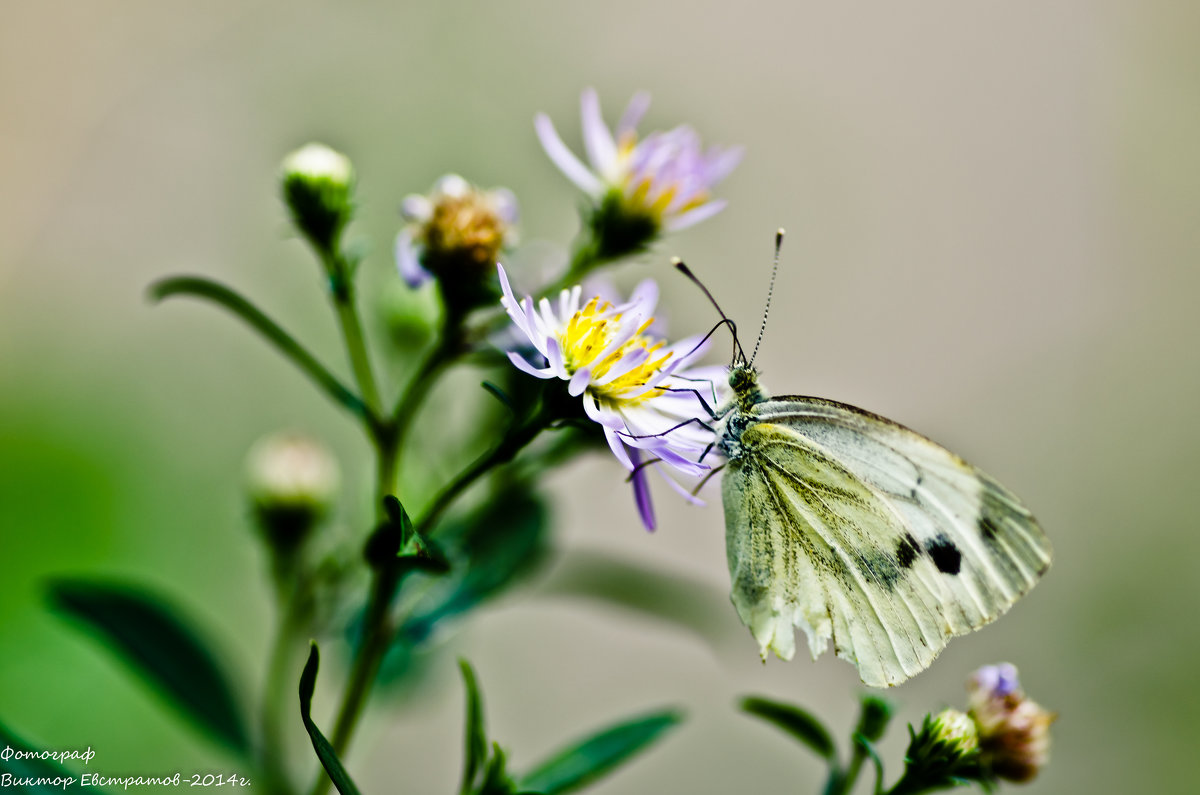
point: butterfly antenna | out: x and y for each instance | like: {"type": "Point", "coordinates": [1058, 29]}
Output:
{"type": "Point", "coordinates": [770, 292]}
{"type": "Point", "coordinates": [738, 353]}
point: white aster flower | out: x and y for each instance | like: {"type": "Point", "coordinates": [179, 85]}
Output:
{"type": "Point", "coordinates": [644, 393]}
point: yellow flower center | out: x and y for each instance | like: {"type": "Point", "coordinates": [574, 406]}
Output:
{"type": "Point", "coordinates": [637, 192]}
{"type": "Point", "coordinates": [588, 335]}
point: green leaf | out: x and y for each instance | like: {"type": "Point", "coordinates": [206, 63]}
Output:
{"type": "Point", "coordinates": [159, 644]}
{"type": "Point", "coordinates": [795, 721]}
{"type": "Point", "coordinates": [580, 764]}
{"type": "Point", "coordinates": [475, 744]}
{"type": "Point", "coordinates": [325, 753]}
{"type": "Point", "coordinates": [48, 776]}
{"type": "Point", "coordinates": [285, 343]}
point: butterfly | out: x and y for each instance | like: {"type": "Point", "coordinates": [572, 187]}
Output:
{"type": "Point", "coordinates": [858, 530]}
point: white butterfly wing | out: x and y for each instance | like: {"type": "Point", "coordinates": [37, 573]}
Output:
{"type": "Point", "coordinates": [855, 528]}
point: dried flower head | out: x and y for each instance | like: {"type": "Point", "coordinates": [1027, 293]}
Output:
{"type": "Point", "coordinates": [1014, 732]}
{"type": "Point", "coordinates": [644, 393]}
{"type": "Point", "coordinates": [455, 233]}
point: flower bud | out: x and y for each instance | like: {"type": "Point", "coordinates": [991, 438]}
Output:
{"type": "Point", "coordinates": [956, 729]}
{"type": "Point", "coordinates": [318, 186]}
{"type": "Point", "coordinates": [1014, 732]}
{"type": "Point", "coordinates": [291, 480]}
{"type": "Point", "coordinates": [455, 234]}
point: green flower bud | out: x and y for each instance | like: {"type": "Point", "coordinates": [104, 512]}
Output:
{"type": "Point", "coordinates": [292, 481]}
{"type": "Point", "coordinates": [318, 187]}
{"type": "Point", "coordinates": [955, 729]}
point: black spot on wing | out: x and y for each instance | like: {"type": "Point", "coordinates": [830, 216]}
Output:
{"type": "Point", "coordinates": [987, 528]}
{"type": "Point", "coordinates": [907, 550]}
{"type": "Point", "coordinates": [945, 555]}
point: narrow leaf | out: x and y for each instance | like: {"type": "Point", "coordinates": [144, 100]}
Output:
{"type": "Point", "coordinates": [160, 645]}
{"type": "Point", "coordinates": [475, 734]}
{"type": "Point", "coordinates": [795, 721]}
{"type": "Point", "coordinates": [496, 780]}
{"type": "Point", "coordinates": [285, 343]}
{"type": "Point", "coordinates": [37, 776]}
{"type": "Point", "coordinates": [325, 753]}
{"type": "Point", "coordinates": [578, 765]}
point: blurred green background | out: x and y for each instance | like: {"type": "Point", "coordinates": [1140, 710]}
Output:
{"type": "Point", "coordinates": [992, 211]}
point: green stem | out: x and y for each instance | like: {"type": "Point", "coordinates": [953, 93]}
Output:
{"type": "Point", "coordinates": [377, 635]}
{"type": "Point", "coordinates": [378, 626]}
{"type": "Point", "coordinates": [516, 440]}
{"type": "Point", "coordinates": [356, 349]}
{"type": "Point", "coordinates": [841, 782]}
{"type": "Point", "coordinates": [292, 600]}
{"type": "Point", "coordinates": [447, 350]}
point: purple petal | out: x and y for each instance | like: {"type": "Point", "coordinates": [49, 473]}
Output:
{"type": "Point", "coordinates": [506, 205]}
{"type": "Point", "coordinates": [597, 140]}
{"type": "Point", "coordinates": [633, 113]}
{"type": "Point", "coordinates": [687, 495]}
{"type": "Point", "coordinates": [579, 381]}
{"type": "Point", "coordinates": [696, 215]}
{"type": "Point", "coordinates": [408, 261]}
{"type": "Point", "coordinates": [554, 355]}
{"type": "Point", "coordinates": [645, 293]}
{"type": "Point", "coordinates": [564, 158]}
{"type": "Point", "coordinates": [722, 164]}
{"type": "Point", "coordinates": [641, 491]}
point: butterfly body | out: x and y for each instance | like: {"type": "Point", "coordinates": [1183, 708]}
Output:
{"type": "Point", "coordinates": [860, 531]}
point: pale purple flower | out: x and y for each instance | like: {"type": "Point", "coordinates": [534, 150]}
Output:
{"type": "Point", "coordinates": [667, 176]}
{"type": "Point", "coordinates": [643, 392]}
{"type": "Point", "coordinates": [455, 225]}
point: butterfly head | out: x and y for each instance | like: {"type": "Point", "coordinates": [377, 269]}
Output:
{"type": "Point", "coordinates": [743, 380]}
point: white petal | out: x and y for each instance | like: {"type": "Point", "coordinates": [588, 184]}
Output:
{"type": "Point", "coordinates": [618, 448]}
{"type": "Point", "coordinates": [452, 186]}
{"type": "Point", "coordinates": [564, 158]}
{"type": "Point", "coordinates": [597, 140]}
{"type": "Point", "coordinates": [526, 367]}
{"type": "Point", "coordinates": [416, 208]}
